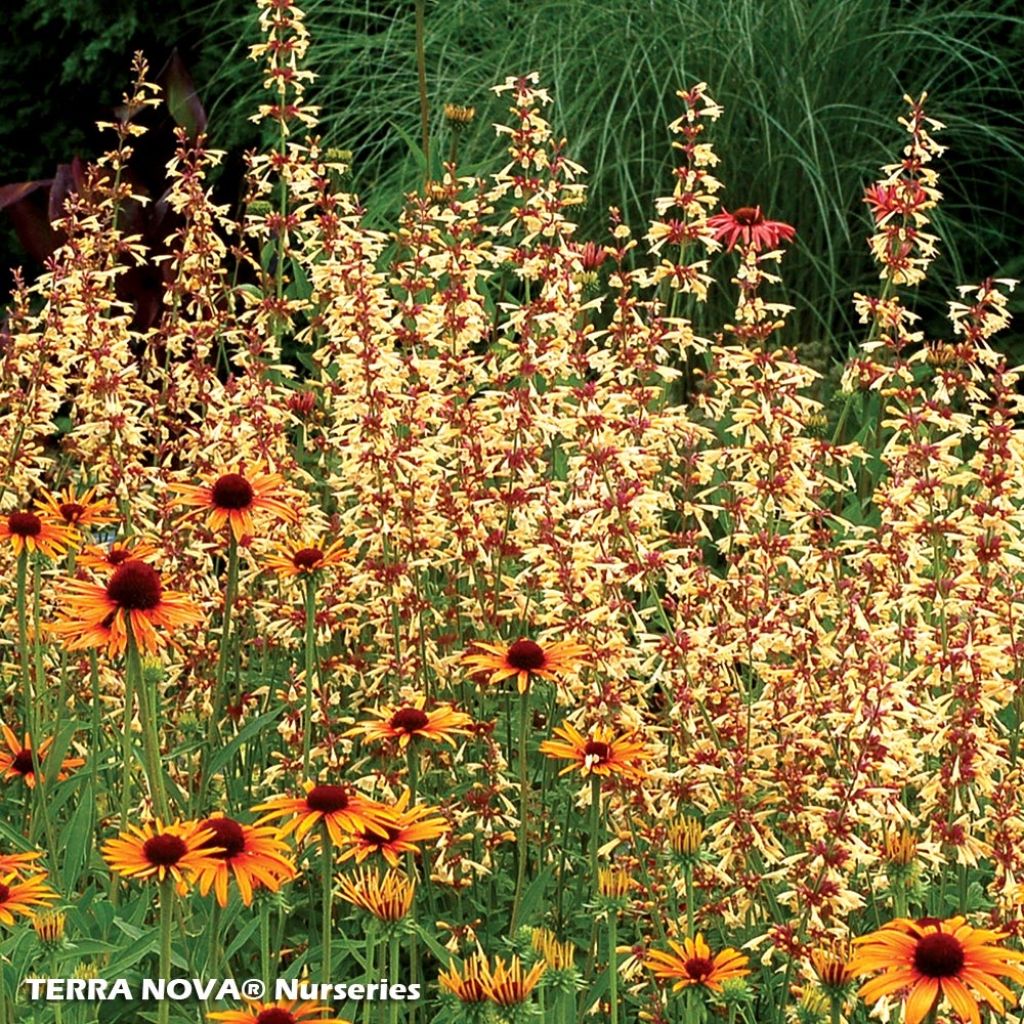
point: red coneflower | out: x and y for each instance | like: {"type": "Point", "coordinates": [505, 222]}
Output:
{"type": "Point", "coordinates": [108, 559]}
{"type": "Point", "coordinates": [16, 760]}
{"type": "Point", "coordinates": [154, 850]}
{"type": "Point", "coordinates": [301, 558]}
{"type": "Point", "coordinates": [396, 831]}
{"type": "Point", "coordinates": [284, 1011]}
{"type": "Point", "coordinates": [691, 963]}
{"type": "Point", "coordinates": [28, 532]}
{"type": "Point", "coordinates": [100, 616]}
{"type": "Point", "coordinates": [233, 498]}
{"type": "Point", "coordinates": [749, 226]}
{"type": "Point", "coordinates": [523, 659]}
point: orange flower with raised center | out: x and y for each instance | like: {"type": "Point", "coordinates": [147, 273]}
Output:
{"type": "Point", "coordinates": [601, 753]}
{"type": "Point", "coordinates": [73, 508]}
{"type": "Point", "coordinates": [466, 983]}
{"type": "Point", "coordinates": [411, 721]}
{"type": "Point", "coordinates": [388, 897]}
{"type": "Point", "coordinates": [110, 558]}
{"type": "Point", "coordinates": [20, 895]}
{"type": "Point", "coordinates": [523, 659]}
{"type": "Point", "coordinates": [691, 963]}
{"type": "Point", "coordinates": [154, 850]}
{"type": "Point", "coordinates": [253, 855]}
{"type": "Point", "coordinates": [284, 1011]}
{"type": "Point", "coordinates": [133, 598]}
{"type": "Point", "coordinates": [16, 761]}
{"type": "Point", "coordinates": [396, 831]}
{"type": "Point", "coordinates": [303, 558]}
{"type": "Point", "coordinates": [932, 959]}
{"type": "Point", "coordinates": [508, 986]}
{"type": "Point", "coordinates": [28, 532]}
{"type": "Point", "coordinates": [233, 499]}
{"type": "Point", "coordinates": [339, 808]}
{"type": "Point", "coordinates": [749, 226]}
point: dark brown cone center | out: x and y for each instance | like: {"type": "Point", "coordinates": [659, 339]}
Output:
{"type": "Point", "coordinates": [595, 748]}
{"type": "Point", "coordinates": [327, 799]}
{"type": "Point", "coordinates": [164, 850]}
{"type": "Point", "coordinates": [233, 491]}
{"type": "Point", "coordinates": [22, 762]}
{"type": "Point", "coordinates": [748, 216]}
{"type": "Point", "coordinates": [307, 558]}
{"type": "Point", "coordinates": [939, 955]}
{"type": "Point", "coordinates": [526, 655]}
{"type": "Point", "coordinates": [118, 555]}
{"type": "Point", "coordinates": [409, 719]}
{"type": "Point", "coordinates": [227, 834]}
{"type": "Point", "coordinates": [5, 891]}
{"type": "Point", "coordinates": [25, 524]}
{"type": "Point", "coordinates": [699, 967]}
{"type": "Point", "coordinates": [71, 511]}
{"type": "Point", "coordinates": [135, 586]}
{"type": "Point", "coordinates": [275, 1015]}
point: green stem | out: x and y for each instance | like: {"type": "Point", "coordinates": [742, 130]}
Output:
{"type": "Point", "coordinates": [395, 972]}
{"type": "Point", "coordinates": [421, 74]}
{"type": "Point", "coordinates": [327, 895]}
{"type": "Point", "coordinates": [613, 965]}
{"type": "Point", "coordinates": [149, 708]}
{"type": "Point", "coordinates": [166, 920]}
{"type": "Point", "coordinates": [310, 663]}
{"type": "Point", "coordinates": [524, 713]}
{"type": "Point", "coordinates": [213, 946]}
{"type": "Point", "coordinates": [265, 944]}
{"type": "Point", "coordinates": [26, 678]}
{"type": "Point", "coordinates": [688, 876]}
{"type": "Point", "coordinates": [371, 956]}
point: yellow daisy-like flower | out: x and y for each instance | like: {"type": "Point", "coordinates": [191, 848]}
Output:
{"type": "Point", "coordinates": [411, 721]}
{"type": "Point", "coordinates": [284, 1011]}
{"type": "Point", "coordinates": [154, 850]}
{"type": "Point", "coordinates": [28, 532]}
{"type": "Point", "coordinates": [388, 897]}
{"type": "Point", "coordinates": [525, 658]}
{"type": "Point", "coordinates": [233, 499]}
{"type": "Point", "coordinates": [111, 557]}
{"type": "Point", "coordinates": [18, 863]}
{"type": "Point", "coordinates": [340, 809]}
{"type": "Point", "coordinates": [302, 558]}
{"type": "Point", "coordinates": [601, 753]}
{"type": "Point", "coordinates": [133, 597]}
{"type": "Point", "coordinates": [75, 508]}
{"type": "Point", "coordinates": [691, 963]}
{"type": "Point", "coordinates": [16, 760]}
{"type": "Point", "coordinates": [397, 831]}
{"type": "Point", "coordinates": [252, 855]}
{"type": "Point", "coordinates": [20, 895]}
{"type": "Point", "coordinates": [930, 960]}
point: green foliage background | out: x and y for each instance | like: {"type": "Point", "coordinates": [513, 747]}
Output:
{"type": "Point", "coordinates": [810, 89]}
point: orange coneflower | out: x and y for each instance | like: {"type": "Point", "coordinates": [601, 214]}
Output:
{"type": "Point", "coordinates": [108, 559]}
{"type": "Point", "coordinates": [253, 855]}
{"type": "Point", "coordinates": [508, 986]}
{"type": "Point", "coordinates": [20, 895]}
{"type": "Point", "coordinates": [233, 498]}
{"type": "Point", "coordinates": [523, 659]}
{"type": "Point", "coordinates": [285, 1011]}
{"type": "Point", "coordinates": [18, 863]}
{"type": "Point", "coordinates": [388, 898]}
{"type": "Point", "coordinates": [601, 753]}
{"type": "Point", "coordinates": [74, 508]}
{"type": "Point", "coordinates": [411, 721]}
{"type": "Point", "coordinates": [691, 963]}
{"type": "Point", "coordinates": [100, 616]}
{"type": "Point", "coordinates": [155, 850]}
{"type": "Point", "coordinates": [748, 225]}
{"type": "Point", "coordinates": [301, 558]}
{"type": "Point", "coordinates": [467, 983]}
{"type": "Point", "coordinates": [16, 760]}
{"type": "Point", "coordinates": [931, 959]}
{"type": "Point", "coordinates": [341, 809]}
{"type": "Point", "coordinates": [28, 532]}
{"type": "Point", "coordinates": [396, 831]}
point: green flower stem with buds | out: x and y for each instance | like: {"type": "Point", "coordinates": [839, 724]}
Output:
{"type": "Point", "coordinates": [613, 964]}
